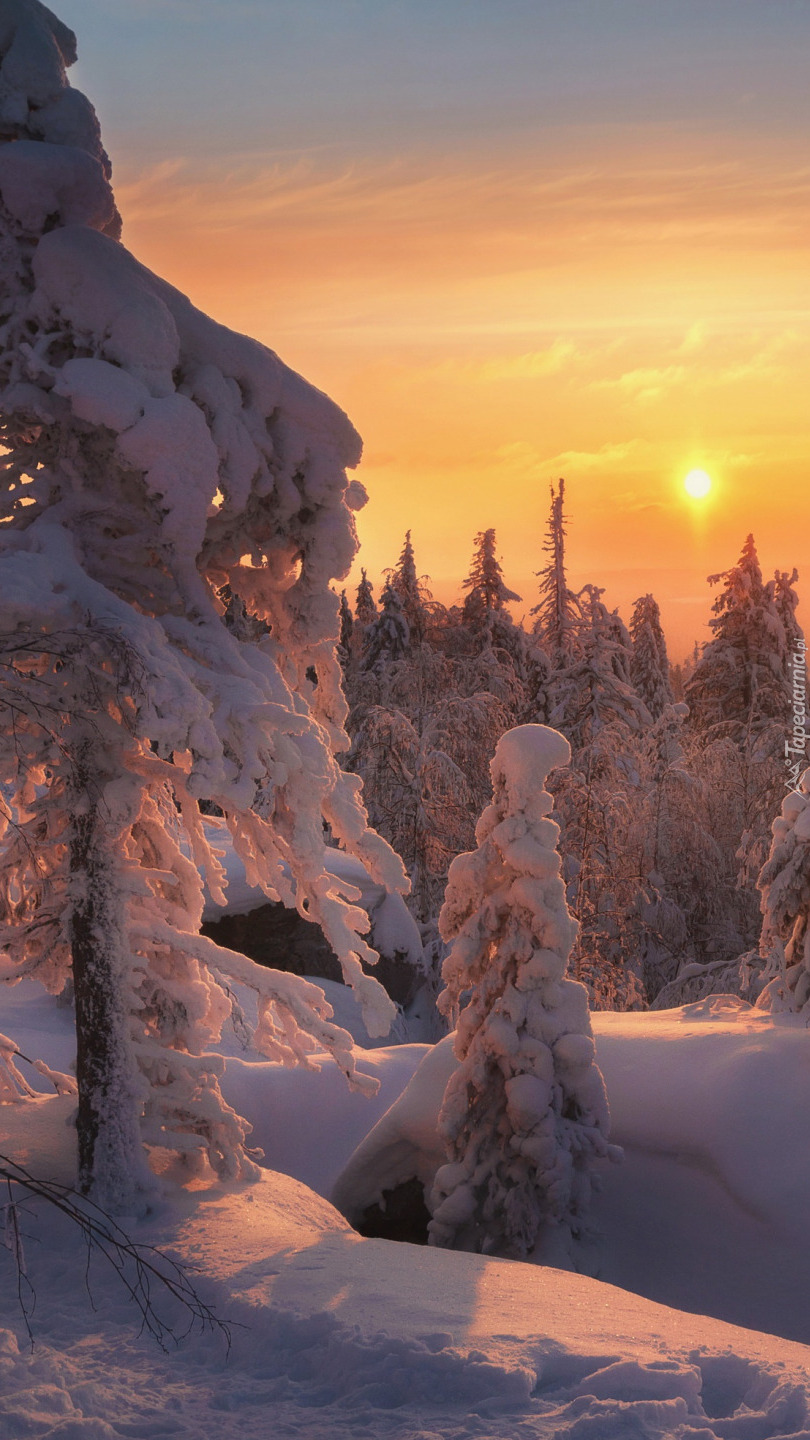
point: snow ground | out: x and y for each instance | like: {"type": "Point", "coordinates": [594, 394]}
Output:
{"type": "Point", "coordinates": [710, 1210]}
{"type": "Point", "coordinates": [367, 1339]}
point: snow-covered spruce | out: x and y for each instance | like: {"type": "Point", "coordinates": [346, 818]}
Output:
{"type": "Point", "coordinates": [487, 591]}
{"type": "Point", "coordinates": [649, 664]}
{"type": "Point", "coordinates": [744, 677]}
{"type": "Point", "coordinates": [558, 619]}
{"type": "Point", "coordinates": [526, 1114]}
{"type": "Point", "coordinates": [155, 465]}
{"type": "Point", "coordinates": [784, 885]}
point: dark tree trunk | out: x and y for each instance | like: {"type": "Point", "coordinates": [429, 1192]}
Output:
{"type": "Point", "coordinates": [111, 1162]}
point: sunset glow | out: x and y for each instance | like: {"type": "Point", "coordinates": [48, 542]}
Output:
{"type": "Point", "coordinates": [513, 246]}
{"type": "Point", "coordinates": [697, 484]}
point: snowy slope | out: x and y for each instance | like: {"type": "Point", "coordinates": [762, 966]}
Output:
{"type": "Point", "coordinates": [711, 1208]}
{"type": "Point", "coordinates": [709, 1211]}
{"type": "Point", "coordinates": [363, 1338]}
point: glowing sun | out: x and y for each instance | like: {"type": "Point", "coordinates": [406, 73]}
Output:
{"type": "Point", "coordinates": [697, 484]}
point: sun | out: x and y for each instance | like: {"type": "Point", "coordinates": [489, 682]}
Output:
{"type": "Point", "coordinates": [697, 484]}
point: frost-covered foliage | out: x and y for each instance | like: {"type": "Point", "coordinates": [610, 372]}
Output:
{"type": "Point", "coordinates": [525, 1115]}
{"type": "Point", "coordinates": [649, 663]}
{"type": "Point", "coordinates": [412, 591]}
{"type": "Point", "coordinates": [365, 608]}
{"type": "Point", "coordinates": [747, 700]}
{"type": "Point", "coordinates": [557, 612]}
{"type": "Point", "coordinates": [486, 588]}
{"type": "Point", "coordinates": [388, 635]}
{"type": "Point", "coordinates": [422, 779]}
{"type": "Point", "coordinates": [595, 690]}
{"type": "Point", "coordinates": [425, 714]}
{"type": "Point", "coordinates": [742, 680]}
{"type": "Point", "coordinates": [157, 464]}
{"type": "Point", "coordinates": [784, 885]}
{"type": "Point", "coordinates": [653, 803]}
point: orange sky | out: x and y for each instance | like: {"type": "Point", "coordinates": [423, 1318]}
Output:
{"type": "Point", "coordinates": [614, 297]}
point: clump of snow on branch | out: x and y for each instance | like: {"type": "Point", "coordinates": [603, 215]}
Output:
{"type": "Point", "coordinates": [157, 469]}
{"type": "Point", "coordinates": [525, 1114]}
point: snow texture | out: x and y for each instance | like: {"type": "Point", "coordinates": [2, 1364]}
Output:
{"type": "Point", "coordinates": [334, 1335]}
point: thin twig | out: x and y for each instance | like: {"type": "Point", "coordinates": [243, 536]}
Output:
{"type": "Point", "coordinates": [151, 1266]}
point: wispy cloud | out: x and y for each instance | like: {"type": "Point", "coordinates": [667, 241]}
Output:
{"type": "Point", "coordinates": [530, 205]}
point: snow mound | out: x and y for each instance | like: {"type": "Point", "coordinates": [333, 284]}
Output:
{"type": "Point", "coordinates": [711, 1104]}
{"type": "Point", "coordinates": [334, 1335]}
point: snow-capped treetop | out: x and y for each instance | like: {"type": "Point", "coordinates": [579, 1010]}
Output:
{"type": "Point", "coordinates": [411, 590]}
{"type": "Point", "coordinates": [557, 613]}
{"type": "Point", "coordinates": [365, 609]}
{"type": "Point", "coordinates": [387, 637]}
{"type": "Point", "coordinates": [486, 587]}
{"type": "Point", "coordinates": [523, 759]}
{"type": "Point", "coordinates": [786, 601]}
{"type": "Point", "coordinates": [742, 679]}
{"type": "Point", "coordinates": [595, 691]}
{"type": "Point", "coordinates": [346, 624]}
{"type": "Point", "coordinates": [649, 663]}
{"type": "Point", "coordinates": [37, 104]}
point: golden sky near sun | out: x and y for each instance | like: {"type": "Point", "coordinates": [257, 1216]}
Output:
{"type": "Point", "coordinates": [481, 352]}
{"type": "Point", "coordinates": [590, 264]}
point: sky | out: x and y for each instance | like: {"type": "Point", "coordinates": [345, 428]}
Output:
{"type": "Point", "coordinates": [515, 240]}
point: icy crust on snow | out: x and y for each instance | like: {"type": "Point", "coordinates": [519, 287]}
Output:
{"type": "Point", "coordinates": [335, 1335]}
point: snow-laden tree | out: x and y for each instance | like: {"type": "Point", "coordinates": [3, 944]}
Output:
{"type": "Point", "coordinates": [525, 1115]}
{"type": "Point", "coordinates": [346, 626]}
{"type": "Point", "coordinates": [411, 591]}
{"type": "Point", "coordinates": [742, 679]}
{"type": "Point", "coordinates": [649, 663]}
{"type": "Point", "coordinates": [156, 463]}
{"type": "Point", "coordinates": [365, 608]}
{"type": "Point", "coordinates": [387, 637]}
{"type": "Point", "coordinates": [417, 796]}
{"type": "Point", "coordinates": [595, 690]}
{"type": "Point", "coordinates": [784, 885]}
{"type": "Point", "coordinates": [557, 612]}
{"type": "Point", "coordinates": [487, 591]}
{"type": "Point", "coordinates": [425, 779]}
{"type": "Point", "coordinates": [747, 701]}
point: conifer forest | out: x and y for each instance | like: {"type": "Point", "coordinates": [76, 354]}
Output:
{"type": "Point", "coordinates": [405, 1002]}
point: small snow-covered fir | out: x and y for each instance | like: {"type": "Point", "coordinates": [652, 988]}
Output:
{"type": "Point", "coordinates": [525, 1114]}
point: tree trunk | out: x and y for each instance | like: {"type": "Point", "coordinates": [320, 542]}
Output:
{"type": "Point", "coordinates": [112, 1166]}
